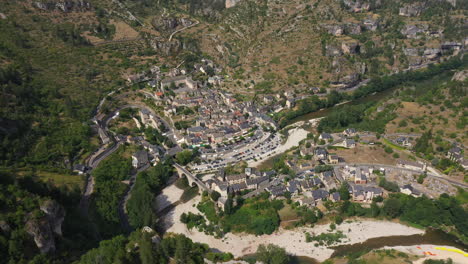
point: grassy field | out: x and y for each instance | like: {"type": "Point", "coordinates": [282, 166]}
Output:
{"type": "Point", "coordinates": [58, 179]}
{"type": "Point", "coordinates": [392, 145]}
{"type": "Point", "coordinates": [287, 213]}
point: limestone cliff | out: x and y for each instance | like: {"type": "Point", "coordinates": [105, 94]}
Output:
{"type": "Point", "coordinates": [43, 228]}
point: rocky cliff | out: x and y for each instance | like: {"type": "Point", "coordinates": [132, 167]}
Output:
{"type": "Point", "coordinates": [63, 5]}
{"type": "Point", "coordinates": [43, 228]}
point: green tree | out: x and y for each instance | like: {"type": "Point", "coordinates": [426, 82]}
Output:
{"type": "Point", "coordinates": [184, 157]}
{"type": "Point", "coordinates": [344, 191]}
{"type": "Point", "coordinates": [272, 254]}
{"type": "Point", "coordinates": [392, 207]}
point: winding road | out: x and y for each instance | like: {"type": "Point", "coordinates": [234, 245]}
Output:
{"type": "Point", "coordinates": [182, 29]}
{"type": "Point", "coordinates": [106, 150]}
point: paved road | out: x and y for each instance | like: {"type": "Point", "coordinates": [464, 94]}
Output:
{"type": "Point", "coordinates": [92, 163]}
{"type": "Point", "coordinates": [177, 31]}
{"type": "Point", "coordinates": [105, 151]}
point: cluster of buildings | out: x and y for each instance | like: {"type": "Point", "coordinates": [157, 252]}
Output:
{"type": "Point", "coordinates": [456, 154]}
{"type": "Point", "coordinates": [217, 117]}
{"type": "Point", "coordinates": [251, 179]}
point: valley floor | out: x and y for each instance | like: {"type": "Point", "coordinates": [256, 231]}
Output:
{"type": "Point", "coordinates": [292, 240]}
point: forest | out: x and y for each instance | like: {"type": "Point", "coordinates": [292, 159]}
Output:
{"type": "Point", "coordinates": [148, 185]}
{"type": "Point", "coordinates": [109, 189]}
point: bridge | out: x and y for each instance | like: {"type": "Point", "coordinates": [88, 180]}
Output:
{"type": "Point", "coordinates": [191, 178]}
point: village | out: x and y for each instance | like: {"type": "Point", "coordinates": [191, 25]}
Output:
{"type": "Point", "coordinates": [224, 131]}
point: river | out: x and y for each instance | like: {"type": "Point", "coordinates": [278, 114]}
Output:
{"type": "Point", "coordinates": [431, 237]}
{"type": "Point", "coordinates": [324, 112]}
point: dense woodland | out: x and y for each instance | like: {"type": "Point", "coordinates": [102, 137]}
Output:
{"type": "Point", "coordinates": [148, 184]}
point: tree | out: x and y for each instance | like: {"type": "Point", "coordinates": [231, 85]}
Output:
{"type": "Point", "coordinates": [392, 207]}
{"type": "Point", "coordinates": [272, 254]}
{"type": "Point", "coordinates": [344, 191]}
{"type": "Point", "coordinates": [215, 195]}
{"type": "Point", "coordinates": [184, 157]}
{"type": "Point", "coordinates": [338, 220]}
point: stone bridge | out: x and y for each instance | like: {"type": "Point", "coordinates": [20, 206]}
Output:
{"type": "Point", "coordinates": [192, 179]}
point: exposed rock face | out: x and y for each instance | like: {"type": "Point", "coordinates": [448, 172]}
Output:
{"type": "Point", "coordinates": [169, 24]}
{"type": "Point", "coordinates": [43, 236]}
{"type": "Point", "coordinates": [350, 47]}
{"type": "Point", "coordinates": [361, 67]}
{"type": "Point", "coordinates": [371, 23]}
{"type": "Point", "coordinates": [43, 228]}
{"type": "Point", "coordinates": [353, 29]}
{"type": "Point", "coordinates": [63, 5]}
{"type": "Point", "coordinates": [357, 5]}
{"type": "Point", "coordinates": [432, 54]}
{"type": "Point", "coordinates": [335, 30]}
{"type": "Point", "coordinates": [452, 2]}
{"type": "Point", "coordinates": [208, 8]}
{"type": "Point", "coordinates": [55, 214]}
{"type": "Point", "coordinates": [414, 60]}
{"type": "Point", "coordinates": [5, 227]}
{"type": "Point", "coordinates": [414, 31]}
{"type": "Point", "coordinates": [172, 47]}
{"type": "Point", "coordinates": [411, 51]}
{"type": "Point", "coordinates": [347, 80]}
{"type": "Point", "coordinates": [412, 10]}
{"type": "Point", "coordinates": [166, 47]}
{"type": "Point", "coordinates": [231, 3]}
{"type": "Point", "coordinates": [451, 45]}
{"type": "Point", "coordinates": [332, 51]}
{"type": "Point", "coordinates": [460, 76]}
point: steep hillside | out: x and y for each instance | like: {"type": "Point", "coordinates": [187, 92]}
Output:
{"type": "Point", "coordinates": [299, 44]}
{"type": "Point", "coordinates": [52, 79]}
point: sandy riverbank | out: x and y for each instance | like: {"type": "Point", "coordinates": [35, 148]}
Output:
{"type": "Point", "coordinates": [169, 195]}
{"type": "Point", "coordinates": [294, 137]}
{"type": "Point", "coordinates": [419, 250]}
{"type": "Point", "coordinates": [292, 240]}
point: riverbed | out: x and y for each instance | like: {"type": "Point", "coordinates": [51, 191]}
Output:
{"type": "Point", "coordinates": [357, 231]}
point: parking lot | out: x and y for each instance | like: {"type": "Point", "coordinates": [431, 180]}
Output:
{"type": "Point", "coordinates": [254, 148]}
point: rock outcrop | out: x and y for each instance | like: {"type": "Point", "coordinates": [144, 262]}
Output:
{"type": "Point", "coordinates": [55, 214]}
{"type": "Point", "coordinates": [332, 50]}
{"type": "Point", "coordinates": [172, 47]}
{"type": "Point", "coordinates": [39, 228]}
{"type": "Point", "coordinates": [5, 227]}
{"type": "Point", "coordinates": [432, 53]}
{"type": "Point", "coordinates": [347, 81]}
{"type": "Point", "coordinates": [414, 31]}
{"type": "Point", "coordinates": [231, 3]}
{"type": "Point", "coordinates": [170, 24]}
{"type": "Point", "coordinates": [63, 5]}
{"type": "Point", "coordinates": [335, 30]}
{"type": "Point", "coordinates": [352, 29]}
{"type": "Point", "coordinates": [412, 10]}
{"type": "Point", "coordinates": [460, 76]}
{"type": "Point", "coordinates": [357, 5]}
{"type": "Point", "coordinates": [43, 228]}
{"type": "Point", "coordinates": [350, 47]}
